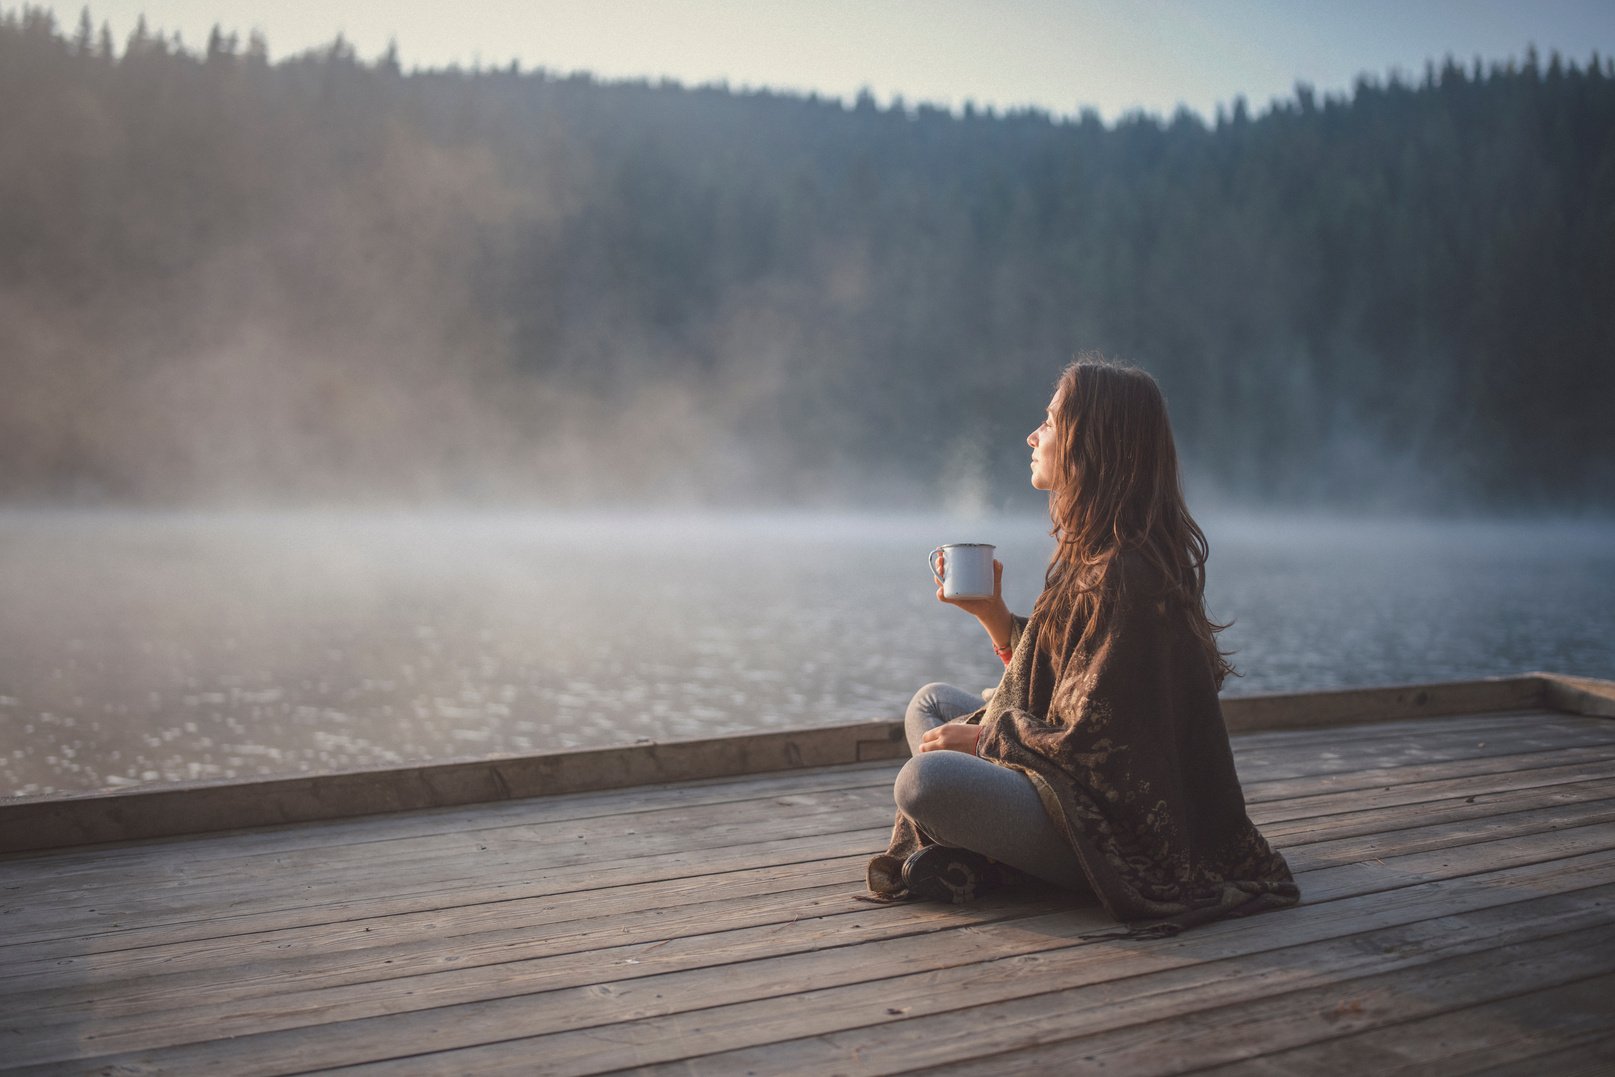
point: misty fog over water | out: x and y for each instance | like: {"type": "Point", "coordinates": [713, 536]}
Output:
{"type": "Point", "coordinates": [155, 647]}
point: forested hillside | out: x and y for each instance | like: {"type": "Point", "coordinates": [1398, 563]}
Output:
{"type": "Point", "coordinates": [324, 278]}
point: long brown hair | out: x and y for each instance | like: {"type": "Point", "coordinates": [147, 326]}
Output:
{"type": "Point", "coordinates": [1117, 491]}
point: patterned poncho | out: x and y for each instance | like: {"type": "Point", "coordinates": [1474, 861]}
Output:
{"type": "Point", "coordinates": [1123, 738]}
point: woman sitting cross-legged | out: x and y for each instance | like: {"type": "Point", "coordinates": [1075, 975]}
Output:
{"type": "Point", "coordinates": [1101, 762]}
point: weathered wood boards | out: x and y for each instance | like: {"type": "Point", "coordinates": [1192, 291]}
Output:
{"type": "Point", "coordinates": [57, 822]}
{"type": "Point", "coordinates": [197, 807]}
{"type": "Point", "coordinates": [1459, 878]}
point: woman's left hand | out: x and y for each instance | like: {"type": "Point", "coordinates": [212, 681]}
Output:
{"type": "Point", "coordinates": [953, 737]}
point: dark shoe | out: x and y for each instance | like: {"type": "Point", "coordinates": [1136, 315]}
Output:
{"type": "Point", "coordinates": [942, 873]}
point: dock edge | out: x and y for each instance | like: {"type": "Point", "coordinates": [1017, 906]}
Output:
{"type": "Point", "coordinates": [53, 822]}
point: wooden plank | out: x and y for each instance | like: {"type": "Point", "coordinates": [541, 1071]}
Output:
{"type": "Point", "coordinates": [1370, 817]}
{"type": "Point", "coordinates": [1449, 837]}
{"type": "Point", "coordinates": [429, 866]}
{"type": "Point", "coordinates": [191, 856]}
{"type": "Point", "coordinates": [1438, 745]}
{"type": "Point", "coordinates": [186, 1017]}
{"type": "Point", "coordinates": [58, 914]}
{"type": "Point", "coordinates": [1410, 793]}
{"type": "Point", "coordinates": [216, 1016]}
{"type": "Point", "coordinates": [1436, 742]}
{"type": "Point", "coordinates": [403, 826]}
{"type": "Point", "coordinates": [328, 965]}
{"type": "Point", "coordinates": [395, 947]}
{"type": "Point", "coordinates": [60, 920]}
{"type": "Point", "coordinates": [1416, 729]}
{"type": "Point", "coordinates": [1269, 784]}
{"type": "Point", "coordinates": [525, 917]}
{"type": "Point", "coordinates": [455, 858]}
{"type": "Point", "coordinates": [346, 926]}
{"type": "Point", "coordinates": [1259, 786]}
{"type": "Point", "coordinates": [461, 826]}
{"type": "Point", "coordinates": [538, 846]}
{"type": "Point", "coordinates": [1237, 1030]}
{"type": "Point", "coordinates": [464, 937]}
{"type": "Point", "coordinates": [1524, 1033]}
{"type": "Point", "coordinates": [55, 822]}
{"type": "Point", "coordinates": [1304, 710]}
{"type": "Point", "coordinates": [74, 916]}
{"type": "Point", "coordinates": [1329, 883]}
{"type": "Point", "coordinates": [159, 947]}
{"type": "Point", "coordinates": [596, 1000]}
{"type": "Point", "coordinates": [898, 1016]}
{"type": "Point", "coordinates": [1444, 840]}
{"type": "Point", "coordinates": [1594, 1058]}
{"type": "Point", "coordinates": [205, 920]}
{"type": "Point", "coordinates": [1155, 1022]}
{"type": "Point", "coordinates": [1579, 695]}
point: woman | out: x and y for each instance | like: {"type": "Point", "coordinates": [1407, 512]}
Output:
{"type": "Point", "coordinates": [1101, 762]}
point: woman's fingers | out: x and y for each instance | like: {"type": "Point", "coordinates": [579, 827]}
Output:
{"type": "Point", "coordinates": [952, 737]}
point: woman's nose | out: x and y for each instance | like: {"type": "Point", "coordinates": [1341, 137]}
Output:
{"type": "Point", "coordinates": [1031, 439]}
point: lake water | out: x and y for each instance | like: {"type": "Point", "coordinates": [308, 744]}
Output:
{"type": "Point", "coordinates": [144, 648]}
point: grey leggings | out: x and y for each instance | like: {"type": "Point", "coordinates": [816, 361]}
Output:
{"type": "Point", "coordinates": [976, 804]}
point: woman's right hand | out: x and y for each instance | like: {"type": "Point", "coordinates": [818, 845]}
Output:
{"type": "Point", "coordinates": [991, 612]}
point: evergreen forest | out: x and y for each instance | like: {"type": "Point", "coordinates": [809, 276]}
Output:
{"type": "Point", "coordinates": [325, 279]}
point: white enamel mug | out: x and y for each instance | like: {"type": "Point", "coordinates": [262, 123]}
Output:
{"type": "Point", "coordinates": [968, 569]}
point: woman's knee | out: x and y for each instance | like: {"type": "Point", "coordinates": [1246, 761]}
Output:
{"type": "Point", "coordinates": [939, 702]}
{"type": "Point", "coordinates": [927, 701]}
{"type": "Point", "coordinates": [925, 712]}
{"type": "Point", "coordinates": [923, 787]}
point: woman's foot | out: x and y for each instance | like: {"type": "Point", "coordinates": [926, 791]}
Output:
{"type": "Point", "coordinates": [947, 874]}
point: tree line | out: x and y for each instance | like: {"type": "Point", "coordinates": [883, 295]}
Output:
{"type": "Point", "coordinates": [227, 278]}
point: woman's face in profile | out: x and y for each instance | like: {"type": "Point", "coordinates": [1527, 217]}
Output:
{"type": "Point", "coordinates": [1043, 443]}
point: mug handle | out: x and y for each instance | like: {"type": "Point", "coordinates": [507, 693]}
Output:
{"type": "Point", "coordinates": [931, 560]}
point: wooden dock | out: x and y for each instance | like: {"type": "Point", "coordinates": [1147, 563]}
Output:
{"type": "Point", "coordinates": [1455, 845]}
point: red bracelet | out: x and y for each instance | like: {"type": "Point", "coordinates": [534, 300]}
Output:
{"type": "Point", "coordinates": [1003, 652]}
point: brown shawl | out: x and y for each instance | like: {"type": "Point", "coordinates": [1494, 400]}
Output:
{"type": "Point", "coordinates": [1124, 741]}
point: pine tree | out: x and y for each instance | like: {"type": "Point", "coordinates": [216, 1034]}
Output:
{"type": "Point", "coordinates": [84, 36]}
{"type": "Point", "coordinates": [139, 43]}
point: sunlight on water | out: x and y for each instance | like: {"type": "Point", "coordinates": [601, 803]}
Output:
{"type": "Point", "coordinates": [154, 648]}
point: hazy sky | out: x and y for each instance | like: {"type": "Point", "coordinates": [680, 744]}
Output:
{"type": "Point", "coordinates": [1057, 54]}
